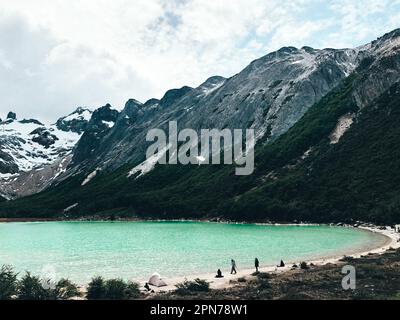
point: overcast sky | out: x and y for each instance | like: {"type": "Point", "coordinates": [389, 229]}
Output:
{"type": "Point", "coordinates": [56, 55]}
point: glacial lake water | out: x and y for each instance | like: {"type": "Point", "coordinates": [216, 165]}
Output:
{"type": "Point", "coordinates": [135, 250]}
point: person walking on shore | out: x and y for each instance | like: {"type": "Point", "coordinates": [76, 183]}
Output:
{"type": "Point", "coordinates": [233, 270]}
{"type": "Point", "coordinates": [257, 264]}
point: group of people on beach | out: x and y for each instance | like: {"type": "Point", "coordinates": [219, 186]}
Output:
{"type": "Point", "coordinates": [234, 267]}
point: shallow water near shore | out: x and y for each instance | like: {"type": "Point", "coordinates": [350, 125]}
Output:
{"type": "Point", "coordinates": [134, 250]}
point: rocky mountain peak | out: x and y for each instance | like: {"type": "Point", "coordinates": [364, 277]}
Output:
{"type": "Point", "coordinates": [131, 111]}
{"type": "Point", "coordinates": [212, 82]}
{"type": "Point", "coordinates": [105, 113]}
{"type": "Point", "coordinates": [308, 49]}
{"type": "Point", "coordinates": [151, 102]}
{"type": "Point", "coordinates": [12, 115]}
{"type": "Point", "coordinates": [390, 35]}
{"type": "Point", "coordinates": [287, 50]}
{"type": "Point", "coordinates": [34, 121]}
{"type": "Point", "coordinates": [132, 105]}
{"type": "Point", "coordinates": [387, 45]}
{"type": "Point", "coordinates": [102, 121]}
{"type": "Point", "coordinates": [76, 121]}
{"type": "Point", "coordinates": [173, 95]}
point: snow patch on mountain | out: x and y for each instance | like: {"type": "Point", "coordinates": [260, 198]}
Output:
{"type": "Point", "coordinates": [109, 124]}
{"type": "Point", "coordinates": [90, 177]}
{"type": "Point", "coordinates": [343, 125]}
{"type": "Point", "coordinates": [4, 196]}
{"type": "Point", "coordinates": [212, 88]}
{"type": "Point", "coordinates": [20, 141]}
{"type": "Point", "coordinates": [66, 210]}
{"type": "Point", "coordinates": [149, 164]}
{"type": "Point", "coordinates": [76, 121]}
{"type": "Point", "coordinates": [85, 115]}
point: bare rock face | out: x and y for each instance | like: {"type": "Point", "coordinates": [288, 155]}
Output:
{"type": "Point", "coordinates": [7, 164]}
{"type": "Point", "coordinates": [382, 57]}
{"type": "Point", "coordinates": [33, 181]}
{"type": "Point", "coordinates": [100, 124]}
{"type": "Point", "coordinates": [174, 95]}
{"type": "Point", "coordinates": [270, 95]}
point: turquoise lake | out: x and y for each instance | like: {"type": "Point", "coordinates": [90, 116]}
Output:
{"type": "Point", "coordinates": [135, 250]}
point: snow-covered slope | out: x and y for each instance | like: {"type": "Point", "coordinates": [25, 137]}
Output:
{"type": "Point", "coordinates": [30, 148]}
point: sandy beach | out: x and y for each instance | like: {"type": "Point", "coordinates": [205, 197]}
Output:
{"type": "Point", "coordinates": [392, 240]}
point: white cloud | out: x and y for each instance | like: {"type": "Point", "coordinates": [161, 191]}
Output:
{"type": "Point", "coordinates": [56, 54]}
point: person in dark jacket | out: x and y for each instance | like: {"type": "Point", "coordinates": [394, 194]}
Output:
{"type": "Point", "coordinates": [219, 274]}
{"type": "Point", "coordinates": [233, 270]}
{"type": "Point", "coordinates": [256, 264]}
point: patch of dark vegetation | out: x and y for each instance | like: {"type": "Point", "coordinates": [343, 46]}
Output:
{"type": "Point", "coordinates": [347, 259]}
{"type": "Point", "coordinates": [262, 275]}
{"type": "Point", "coordinates": [112, 289]}
{"type": "Point", "coordinates": [190, 287]}
{"type": "Point", "coordinates": [8, 283]}
{"type": "Point", "coordinates": [33, 288]}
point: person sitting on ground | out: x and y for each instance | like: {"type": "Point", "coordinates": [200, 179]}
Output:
{"type": "Point", "coordinates": [147, 287]}
{"type": "Point", "coordinates": [256, 264]}
{"type": "Point", "coordinates": [281, 265]}
{"type": "Point", "coordinates": [233, 270]}
{"type": "Point", "coordinates": [219, 274]}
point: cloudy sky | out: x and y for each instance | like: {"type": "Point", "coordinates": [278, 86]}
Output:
{"type": "Point", "coordinates": [56, 55]}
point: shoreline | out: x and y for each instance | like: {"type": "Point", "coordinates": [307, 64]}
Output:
{"type": "Point", "coordinates": [392, 241]}
{"type": "Point", "coordinates": [136, 219]}
{"type": "Point", "coordinates": [204, 220]}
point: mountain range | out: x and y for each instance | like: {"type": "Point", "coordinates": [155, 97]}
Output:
{"type": "Point", "coordinates": [326, 124]}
